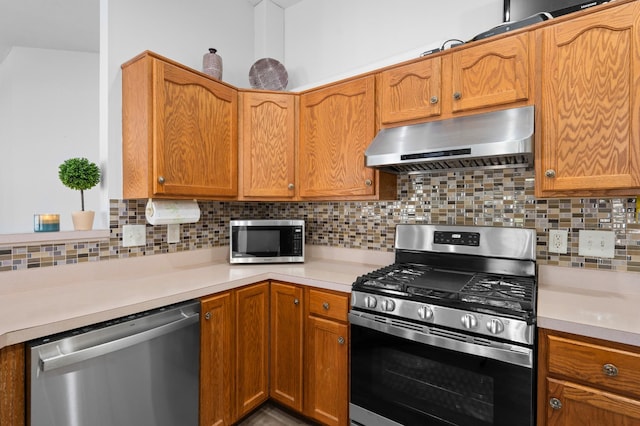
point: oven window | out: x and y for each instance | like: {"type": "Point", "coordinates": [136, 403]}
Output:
{"type": "Point", "coordinates": [413, 383]}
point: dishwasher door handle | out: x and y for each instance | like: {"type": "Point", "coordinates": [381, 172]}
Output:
{"type": "Point", "coordinates": [65, 359]}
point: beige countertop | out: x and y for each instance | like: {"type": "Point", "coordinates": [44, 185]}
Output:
{"type": "Point", "coordinates": [43, 301]}
{"type": "Point", "coordinates": [600, 304]}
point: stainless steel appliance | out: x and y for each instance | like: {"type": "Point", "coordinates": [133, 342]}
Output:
{"type": "Point", "coordinates": [447, 334]}
{"type": "Point", "coordinates": [499, 139]}
{"type": "Point", "coordinates": [139, 370]}
{"type": "Point", "coordinates": [266, 241]}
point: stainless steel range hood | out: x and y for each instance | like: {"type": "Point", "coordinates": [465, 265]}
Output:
{"type": "Point", "coordinates": [498, 139]}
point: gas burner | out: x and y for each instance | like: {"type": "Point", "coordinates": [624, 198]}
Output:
{"type": "Point", "coordinates": [502, 288]}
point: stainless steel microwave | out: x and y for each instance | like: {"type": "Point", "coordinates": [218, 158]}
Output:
{"type": "Point", "coordinates": [266, 241]}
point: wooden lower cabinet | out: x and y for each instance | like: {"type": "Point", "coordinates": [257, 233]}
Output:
{"type": "Point", "coordinates": [276, 340]}
{"type": "Point", "coordinates": [327, 358]}
{"type": "Point", "coordinates": [587, 382]}
{"type": "Point", "coordinates": [252, 347]}
{"type": "Point", "coordinates": [216, 360]}
{"type": "Point", "coordinates": [12, 385]}
{"type": "Point", "coordinates": [287, 320]}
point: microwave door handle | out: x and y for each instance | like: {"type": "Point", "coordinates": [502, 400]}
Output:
{"type": "Point", "coordinates": [108, 346]}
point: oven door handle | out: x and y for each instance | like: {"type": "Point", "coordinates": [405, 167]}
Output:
{"type": "Point", "coordinates": [512, 354]}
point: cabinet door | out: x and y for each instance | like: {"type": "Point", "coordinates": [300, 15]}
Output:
{"type": "Point", "coordinates": [267, 145]}
{"type": "Point", "coordinates": [216, 360]}
{"type": "Point", "coordinates": [195, 145]}
{"type": "Point", "coordinates": [327, 371]}
{"type": "Point", "coordinates": [590, 138]}
{"type": "Point", "coordinates": [286, 344]}
{"type": "Point", "coordinates": [337, 124]}
{"type": "Point", "coordinates": [492, 74]}
{"type": "Point", "coordinates": [12, 385]}
{"type": "Point", "coordinates": [572, 405]}
{"type": "Point", "coordinates": [410, 92]}
{"type": "Point", "coordinates": [252, 347]}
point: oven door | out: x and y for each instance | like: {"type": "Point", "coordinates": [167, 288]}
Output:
{"type": "Point", "coordinates": [408, 374]}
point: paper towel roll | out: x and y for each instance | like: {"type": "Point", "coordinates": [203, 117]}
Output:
{"type": "Point", "coordinates": [165, 212]}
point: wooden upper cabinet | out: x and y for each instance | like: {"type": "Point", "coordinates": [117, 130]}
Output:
{"type": "Point", "coordinates": [179, 132]}
{"type": "Point", "coordinates": [590, 130]}
{"type": "Point", "coordinates": [410, 91]}
{"type": "Point", "coordinates": [267, 145]}
{"type": "Point", "coordinates": [337, 123]}
{"type": "Point", "coordinates": [492, 74]}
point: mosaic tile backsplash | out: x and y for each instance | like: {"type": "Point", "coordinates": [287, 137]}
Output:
{"type": "Point", "coordinates": [492, 198]}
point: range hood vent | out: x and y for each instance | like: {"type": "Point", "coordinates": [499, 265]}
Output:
{"type": "Point", "coordinates": [500, 139]}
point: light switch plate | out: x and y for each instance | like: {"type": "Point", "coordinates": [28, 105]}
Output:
{"type": "Point", "coordinates": [597, 243]}
{"type": "Point", "coordinates": [134, 235]}
{"type": "Point", "coordinates": [173, 233]}
{"type": "Point", "coordinates": [558, 241]}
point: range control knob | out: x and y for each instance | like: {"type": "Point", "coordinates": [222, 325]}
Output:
{"type": "Point", "coordinates": [388, 305]}
{"type": "Point", "coordinates": [370, 302]}
{"type": "Point", "coordinates": [469, 321]}
{"type": "Point", "coordinates": [425, 312]}
{"type": "Point", "coordinates": [495, 326]}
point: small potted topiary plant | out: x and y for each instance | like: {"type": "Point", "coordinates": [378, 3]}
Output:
{"type": "Point", "coordinates": [80, 174]}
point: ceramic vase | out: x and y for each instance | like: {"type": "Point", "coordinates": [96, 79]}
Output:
{"type": "Point", "coordinates": [83, 220]}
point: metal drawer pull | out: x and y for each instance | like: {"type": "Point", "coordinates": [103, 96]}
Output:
{"type": "Point", "coordinates": [207, 316]}
{"type": "Point", "coordinates": [610, 370]}
{"type": "Point", "coordinates": [296, 301]}
{"type": "Point", "coordinates": [325, 306]}
{"type": "Point", "coordinates": [434, 100]}
{"type": "Point", "coordinates": [555, 403]}
{"type": "Point", "coordinates": [341, 340]}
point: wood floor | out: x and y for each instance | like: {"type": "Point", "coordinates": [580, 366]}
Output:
{"type": "Point", "coordinates": [272, 415]}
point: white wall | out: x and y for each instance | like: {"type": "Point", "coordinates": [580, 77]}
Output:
{"type": "Point", "coordinates": [179, 30]}
{"type": "Point", "coordinates": [330, 39]}
{"type": "Point", "coordinates": [48, 113]}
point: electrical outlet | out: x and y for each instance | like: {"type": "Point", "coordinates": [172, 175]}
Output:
{"type": "Point", "coordinates": [558, 241]}
{"type": "Point", "coordinates": [597, 243]}
{"type": "Point", "coordinates": [173, 233]}
{"type": "Point", "coordinates": [134, 235]}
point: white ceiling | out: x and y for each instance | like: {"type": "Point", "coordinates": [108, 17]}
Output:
{"type": "Point", "coordinates": [50, 24]}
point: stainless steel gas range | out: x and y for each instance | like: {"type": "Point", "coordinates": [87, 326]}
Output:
{"type": "Point", "coordinates": [446, 335]}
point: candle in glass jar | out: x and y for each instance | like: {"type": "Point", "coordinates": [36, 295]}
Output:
{"type": "Point", "coordinates": [46, 222]}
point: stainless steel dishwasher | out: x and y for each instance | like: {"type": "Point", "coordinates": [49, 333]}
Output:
{"type": "Point", "coordinates": [138, 370]}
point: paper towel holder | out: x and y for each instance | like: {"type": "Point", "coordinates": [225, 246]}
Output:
{"type": "Point", "coordinates": [167, 212]}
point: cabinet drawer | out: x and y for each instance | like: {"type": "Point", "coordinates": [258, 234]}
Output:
{"type": "Point", "coordinates": [329, 305]}
{"type": "Point", "coordinates": [608, 368]}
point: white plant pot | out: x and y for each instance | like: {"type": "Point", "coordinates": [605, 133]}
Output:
{"type": "Point", "coordinates": [83, 220]}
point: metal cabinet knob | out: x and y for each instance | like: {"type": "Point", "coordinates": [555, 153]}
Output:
{"type": "Point", "coordinates": [341, 340]}
{"type": "Point", "coordinates": [610, 370]}
{"type": "Point", "coordinates": [555, 403]}
{"type": "Point", "coordinates": [457, 96]}
{"type": "Point", "coordinates": [291, 186]}
{"type": "Point", "coordinates": [296, 302]}
{"type": "Point", "coordinates": [550, 173]}
{"type": "Point", "coordinates": [368, 182]}
{"type": "Point", "coordinates": [160, 179]}
{"type": "Point", "coordinates": [325, 306]}
{"type": "Point", "coordinates": [207, 316]}
{"type": "Point", "coordinates": [433, 100]}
